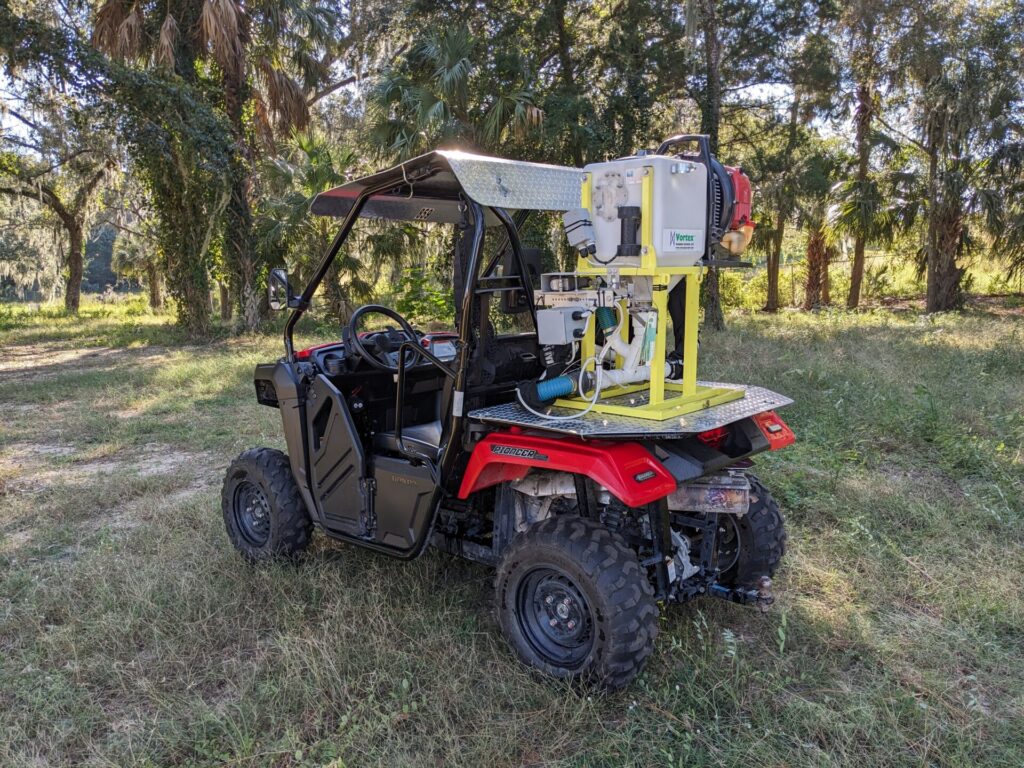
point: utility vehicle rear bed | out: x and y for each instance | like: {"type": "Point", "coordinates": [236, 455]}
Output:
{"type": "Point", "coordinates": [603, 425]}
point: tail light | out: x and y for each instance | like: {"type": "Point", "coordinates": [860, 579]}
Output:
{"type": "Point", "coordinates": [714, 438]}
{"type": "Point", "coordinates": [775, 429]}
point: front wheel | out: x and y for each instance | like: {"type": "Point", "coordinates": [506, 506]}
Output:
{"type": "Point", "coordinates": [263, 510]}
{"type": "Point", "coordinates": [575, 603]}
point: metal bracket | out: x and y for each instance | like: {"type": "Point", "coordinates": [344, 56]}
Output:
{"type": "Point", "coordinates": [368, 516]}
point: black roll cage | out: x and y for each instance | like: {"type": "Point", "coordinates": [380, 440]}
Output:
{"type": "Point", "coordinates": [398, 182]}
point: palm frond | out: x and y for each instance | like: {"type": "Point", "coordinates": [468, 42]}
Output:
{"type": "Point", "coordinates": [130, 34]}
{"type": "Point", "coordinates": [108, 22]}
{"type": "Point", "coordinates": [284, 97]}
{"type": "Point", "coordinates": [164, 54]}
{"type": "Point", "coordinates": [262, 121]}
{"type": "Point", "coordinates": [220, 25]}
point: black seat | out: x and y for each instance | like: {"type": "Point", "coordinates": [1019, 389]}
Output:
{"type": "Point", "coordinates": [418, 439]}
{"type": "Point", "coordinates": [422, 439]}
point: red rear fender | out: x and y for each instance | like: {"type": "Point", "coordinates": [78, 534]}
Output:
{"type": "Point", "coordinates": [627, 470]}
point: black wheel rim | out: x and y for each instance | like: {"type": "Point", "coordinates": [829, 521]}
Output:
{"type": "Point", "coordinates": [252, 513]}
{"type": "Point", "coordinates": [727, 543]}
{"type": "Point", "coordinates": [555, 617]}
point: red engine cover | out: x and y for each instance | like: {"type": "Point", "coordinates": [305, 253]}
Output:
{"type": "Point", "coordinates": [742, 197]}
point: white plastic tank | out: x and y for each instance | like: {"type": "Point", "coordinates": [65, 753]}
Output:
{"type": "Point", "coordinates": [679, 202]}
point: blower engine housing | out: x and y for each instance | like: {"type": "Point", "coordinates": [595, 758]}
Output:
{"type": "Point", "coordinates": [700, 209]}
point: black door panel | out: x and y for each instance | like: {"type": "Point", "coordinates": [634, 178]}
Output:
{"type": "Point", "coordinates": [404, 502]}
{"type": "Point", "coordinates": [337, 462]}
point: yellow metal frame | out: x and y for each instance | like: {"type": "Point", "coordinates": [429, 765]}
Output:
{"type": "Point", "coordinates": [651, 402]}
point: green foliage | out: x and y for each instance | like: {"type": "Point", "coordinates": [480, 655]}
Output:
{"type": "Point", "coordinates": [181, 150]}
{"type": "Point", "coordinates": [422, 300]}
{"type": "Point", "coordinates": [201, 94]}
{"type": "Point", "coordinates": [432, 98]}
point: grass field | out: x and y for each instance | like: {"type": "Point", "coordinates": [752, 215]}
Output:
{"type": "Point", "coordinates": [131, 634]}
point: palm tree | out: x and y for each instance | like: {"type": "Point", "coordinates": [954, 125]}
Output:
{"type": "Point", "coordinates": [860, 26]}
{"type": "Point", "coordinates": [816, 173]}
{"type": "Point", "coordinates": [434, 96]}
{"type": "Point", "coordinates": [859, 211]}
{"type": "Point", "coordinates": [309, 165]}
{"type": "Point", "coordinates": [269, 56]}
{"type": "Point", "coordinates": [963, 86]}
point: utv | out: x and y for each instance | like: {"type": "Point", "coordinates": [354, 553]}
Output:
{"type": "Point", "coordinates": [568, 443]}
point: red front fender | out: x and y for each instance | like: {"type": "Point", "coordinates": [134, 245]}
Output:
{"type": "Point", "coordinates": [627, 470]}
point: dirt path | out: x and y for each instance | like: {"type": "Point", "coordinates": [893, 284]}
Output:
{"type": "Point", "coordinates": [95, 474]}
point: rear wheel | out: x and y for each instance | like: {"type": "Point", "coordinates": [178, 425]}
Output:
{"type": "Point", "coordinates": [263, 510]}
{"type": "Point", "coordinates": [751, 546]}
{"type": "Point", "coordinates": [575, 603]}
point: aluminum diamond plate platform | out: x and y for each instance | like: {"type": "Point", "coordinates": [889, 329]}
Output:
{"type": "Point", "coordinates": [601, 425]}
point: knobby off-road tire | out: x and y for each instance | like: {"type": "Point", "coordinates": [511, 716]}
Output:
{"type": "Point", "coordinates": [263, 509]}
{"type": "Point", "coordinates": [575, 603]}
{"type": "Point", "coordinates": [762, 539]}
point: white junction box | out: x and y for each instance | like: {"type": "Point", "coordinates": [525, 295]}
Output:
{"type": "Point", "coordinates": [561, 325]}
{"type": "Point", "coordinates": [679, 202]}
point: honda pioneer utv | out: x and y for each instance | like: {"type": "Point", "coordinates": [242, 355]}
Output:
{"type": "Point", "coordinates": [568, 443]}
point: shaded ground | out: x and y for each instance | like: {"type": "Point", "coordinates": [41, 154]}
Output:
{"type": "Point", "coordinates": [131, 634]}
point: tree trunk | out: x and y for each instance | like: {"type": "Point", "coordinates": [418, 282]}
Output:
{"type": "Point", "coordinates": [945, 227]}
{"type": "Point", "coordinates": [785, 211]}
{"type": "Point", "coordinates": [710, 116]}
{"type": "Point", "coordinates": [817, 260]}
{"type": "Point", "coordinates": [862, 117]}
{"type": "Point", "coordinates": [943, 273]}
{"type": "Point", "coordinates": [225, 301]}
{"type": "Point", "coordinates": [156, 299]}
{"type": "Point", "coordinates": [76, 266]}
{"type": "Point", "coordinates": [771, 303]}
{"type": "Point", "coordinates": [338, 306]}
{"type": "Point", "coordinates": [567, 70]}
{"type": "Point", "coordinates": [826, 290]}
{"type": "Point", "coordinates": [711, 299]}
{"type": "Point", "coordinates": [711, 104]}
{"type": "Point", "coordinates": [238, 239]}
{"type": "Point", "coordinates": [856, 273]}
{"type": "Point", "coordinates": [194, 307]}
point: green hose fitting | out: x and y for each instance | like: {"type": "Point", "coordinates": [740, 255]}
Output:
{"type": "Point", "coordinates": [606, 320]}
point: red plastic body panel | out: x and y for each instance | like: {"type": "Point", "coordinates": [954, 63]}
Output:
{"type": "Point", "coordinates": [742, 196]}
{"type": "Point", "coordinates": [305, 354]}
{"type": "Point", "coordinates": [775, 429]}
{"type": "Point", "coordinates": [627, 470]}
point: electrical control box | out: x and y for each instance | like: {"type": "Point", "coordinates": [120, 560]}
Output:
{"type": "Point", "coordinates": [679, 205]}
{"type": "Point", "coordinates": [561, 325]}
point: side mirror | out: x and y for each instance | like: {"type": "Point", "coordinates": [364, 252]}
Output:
{"type": "Point", "coordinates": [278, 291]}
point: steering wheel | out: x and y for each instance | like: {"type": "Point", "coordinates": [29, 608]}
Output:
{"type": "Point", "coordinates": [379, 358]}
